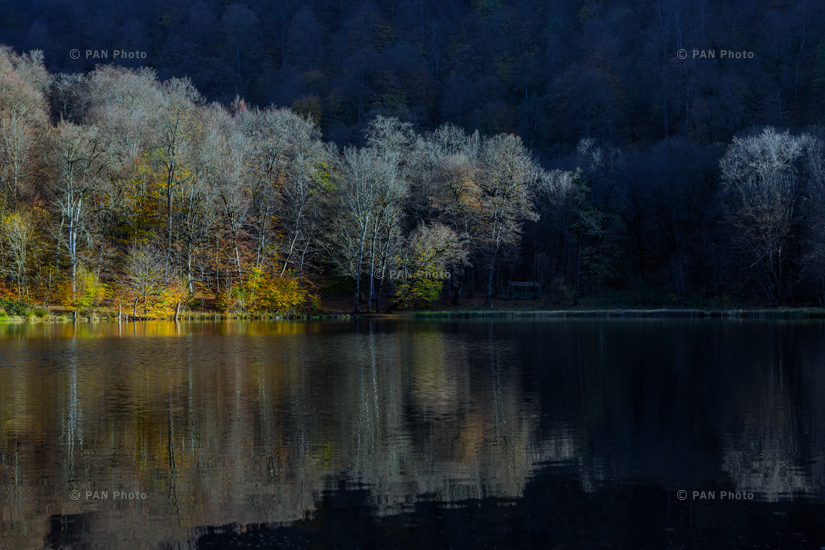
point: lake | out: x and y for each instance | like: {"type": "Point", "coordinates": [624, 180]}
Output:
{"type": "Point", "coordinates": [556, 433]}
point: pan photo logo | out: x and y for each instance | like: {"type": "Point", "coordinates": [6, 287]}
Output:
{"type": "Point", "coordinates": [106, 55]}
{"type": "Point", "coordinates": [714, 54]}
{"type": "Point", "coordinates": [107, 495]}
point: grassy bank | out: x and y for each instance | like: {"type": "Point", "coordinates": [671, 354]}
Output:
{"type": "Point", "coordinates": [195, 317]}
{"type": "Point", "coordinates": [626, 313]}
{"type": "Point", "coordinates": [339, 307]}
{"type": "Point", "coordinates": [800, 313]}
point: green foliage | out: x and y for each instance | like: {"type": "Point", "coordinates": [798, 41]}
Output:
{"type": "Point", "coordinates": [15, 308]}
{"type": "Point", "coordinates": [427, 261]}
{"type": "Point", "coordinates": [419, 289]}
{"type": "Point", "coordinates": [601, 254]}
{"type": "Point", "coordinates": [88, 289]}
{"type": "Point", "coordinates": [597, 232]}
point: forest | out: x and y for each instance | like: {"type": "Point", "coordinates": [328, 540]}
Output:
{"type": "Point", "coordinates": [263, 156]}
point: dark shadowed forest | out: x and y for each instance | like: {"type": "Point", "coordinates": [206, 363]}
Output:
{"type": "Point", "coordinates": [256, 157]}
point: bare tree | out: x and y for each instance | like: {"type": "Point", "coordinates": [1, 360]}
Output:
{"type": "Point", "coordinates": [23, 118]}
{"type": "Point", "coordinates": [231, 178]}
{"type": "Point", "coordinates": [17, 232]}
{"type": "Point", "coordinates": [760, 189]}
{"type": "Point", "coordinates": [430, 257]}
{"type": "Point", "coordinates": [445, 188]}
{"type": "Point", "coordinates": [17, 141]}
{"type": "Point", "coordinates": [394, 141]}
{"type": "Point", "coordinates": [559, 200]}
{"type": "Point", "coordinates": [198, 207]}
{"type": "Point", "coordinates": [80, 156]}
{"type": "Point", "coordinates": [289, 164]}
{"type": "Point", "coordinates": [177, 128]}
{"type": "Point", "coordinates": [354, 201]}
{"type": "Point", "coordinates": [366, 201]}
{"type": "Point", "coordinates": [70, 97]}
{"type": "Point", "coordinates": [506, 175]}
{"type": "Point", "coordinates": [814, 214]}
{"type": "Point", "coordinates": [147, 275]}
{"type": "Point", "coordinates": [127, 107]}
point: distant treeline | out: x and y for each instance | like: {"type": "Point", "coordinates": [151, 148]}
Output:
{"type": "Point", "coordinates": [550, 71]}
{"type": "Point", "coordinates": [119, 186]}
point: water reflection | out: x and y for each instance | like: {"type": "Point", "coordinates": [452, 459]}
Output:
{"type": "Point", "coordinates": [251, 423]}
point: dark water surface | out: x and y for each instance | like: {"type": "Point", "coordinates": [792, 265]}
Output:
{"type": "Point", "coordinates": [395, 434]}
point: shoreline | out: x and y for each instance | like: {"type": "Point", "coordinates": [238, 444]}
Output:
{"type": "Point", "coordinates": [608, 313]}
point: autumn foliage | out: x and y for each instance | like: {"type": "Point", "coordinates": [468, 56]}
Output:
{"type": "Point", "coordinates": [264, 293]}
{"type": "Point", "coordinates": [118, 189]}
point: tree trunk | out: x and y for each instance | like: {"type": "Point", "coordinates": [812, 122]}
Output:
{"type": "Point", "coordinates": [294, 239]}
{"type": "Point", "coordinates": [358, 268]}
{"type": "Point", "coordinates": [472, 293]}
{"type": "Point", "coordinates": [73, 251]}
{"type": "Point", "coordinates": [378, 296]}
{"type": "Point", "coordinates": [236, 250]}
{"type": "Point", "coordinates": [217, 270]}
{"type": "Point", "coordinates": [578, 274]}
{"type": "Point", "coordinates": [189, 284]}
{"type": "Point", "coordinates": [372, 268]}
{"type": "Point", "coordinates": [489, 299]}
{"type": "Point", "coordinates": [457, 285]}
{"type": "Point", "coordinates": [169, 211]}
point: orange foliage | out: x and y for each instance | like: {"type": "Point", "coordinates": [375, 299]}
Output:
{"type": "Point", "coordinates": [8, 293]}
{"type": "Point", "coordinates": [162, 303]}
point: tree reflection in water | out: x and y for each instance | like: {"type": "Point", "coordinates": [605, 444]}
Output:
{"type": "Point", "coordinates": [517, 433]}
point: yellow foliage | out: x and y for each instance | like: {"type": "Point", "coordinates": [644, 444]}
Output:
{"type": "Point", "coordinates": [161, 302]}
{"type": "Point", "coordinates": [87, 290]}
{"type": "Point", "coordinates": [165, 302]}
{"type": "Point", "coordinates": [263, 293]}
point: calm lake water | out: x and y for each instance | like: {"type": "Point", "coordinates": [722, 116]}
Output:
{"type": "Point", "coordinates": [372, 434]}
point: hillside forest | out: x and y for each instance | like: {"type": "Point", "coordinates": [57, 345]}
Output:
{"type": "Point", "coordinates": [265, 157]}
